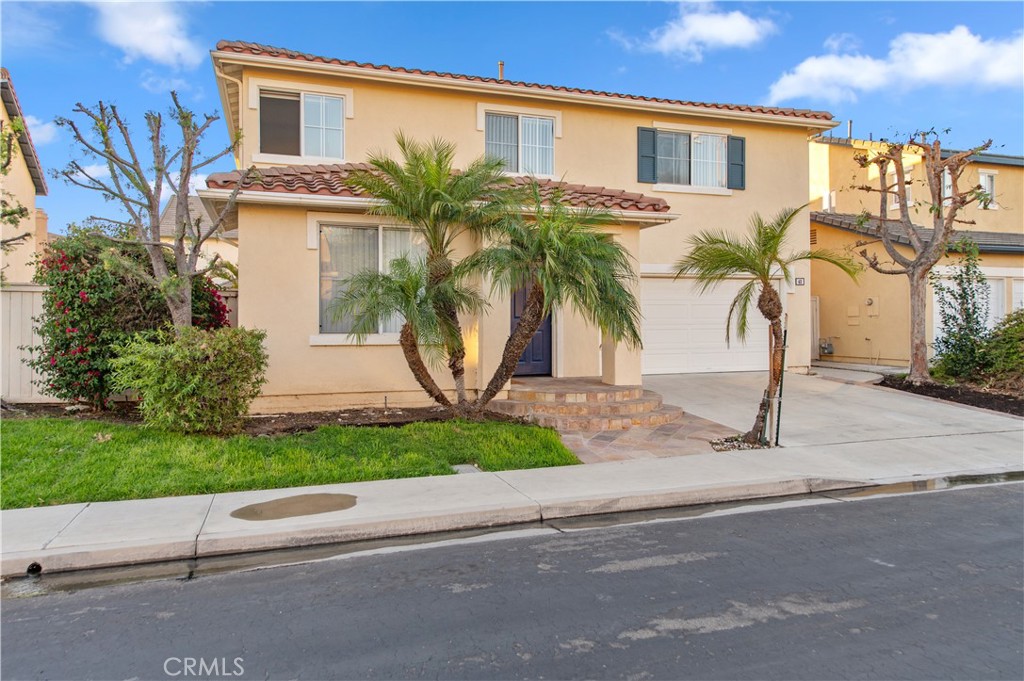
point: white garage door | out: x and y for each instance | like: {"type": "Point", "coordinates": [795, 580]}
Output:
{"type": "Point", "coordinates": [684, 332]}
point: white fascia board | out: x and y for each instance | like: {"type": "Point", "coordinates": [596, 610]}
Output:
{"type": "Point", "coordinates": [356, 72]}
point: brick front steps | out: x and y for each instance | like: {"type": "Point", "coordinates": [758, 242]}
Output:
{"type": "Point", "coordinates": [585, 404]}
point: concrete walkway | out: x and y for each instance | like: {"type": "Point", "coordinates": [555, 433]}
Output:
{"type": "Point", "coordinates": [835, 435]}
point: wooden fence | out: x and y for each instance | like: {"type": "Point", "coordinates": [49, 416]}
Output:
{"type": "Point", "coordinates": [19, 303]}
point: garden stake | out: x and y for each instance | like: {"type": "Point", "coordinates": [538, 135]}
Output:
{"type": "Point", "coordinates": [782, 377]}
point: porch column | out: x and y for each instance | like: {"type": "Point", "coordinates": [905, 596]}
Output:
{"type": "Point", "coordinates": [620, 365]}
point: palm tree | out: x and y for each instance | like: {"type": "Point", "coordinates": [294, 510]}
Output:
{"type": "Point", "coordinates": [716, 256]}
{"type": "Point", "coordinates": [425, 190]}
{"type": "Point", "coordinates": [560, 255]}
{"type": "Point", "coordinates": [372, 299]}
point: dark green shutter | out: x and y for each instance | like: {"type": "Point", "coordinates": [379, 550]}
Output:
{"type": "Point", "coordinates": [646, 155]}
{"type": "Point", "coordinates": [737, 163]}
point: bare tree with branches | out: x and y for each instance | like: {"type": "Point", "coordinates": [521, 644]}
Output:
{"type": "Point", "coordinates": [944, 207]}
{"type": "Point", "coordinates": [137, 185]}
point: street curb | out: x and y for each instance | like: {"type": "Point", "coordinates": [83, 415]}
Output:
{"type": "Point", "coordinates": [113, 555]}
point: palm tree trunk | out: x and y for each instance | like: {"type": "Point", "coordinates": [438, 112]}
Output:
{"type": "Point", "coordinates": [407, 339]}
{"type": "Point", "coordinates": [440, 269]}
{"type": "Point", "coordinates": [918, 339]}
{"type": "Point", "coordinates": [770, 306]}
{"type": "Point", "coordinates": [526, 327]}
{"type": "Point", "coordinates": [457, 365]}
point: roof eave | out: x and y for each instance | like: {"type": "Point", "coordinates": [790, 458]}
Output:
{"type": "Point", "coordinates": [516, 91]}
{"type": "Point", "coordinates": [28, 149]}
{"type": "Point", "coordinates": [356, 204]}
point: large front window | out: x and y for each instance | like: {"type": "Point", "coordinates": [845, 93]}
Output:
{"type": "Point", "coordinates": [308, 125]}
{"type": "Point", "coordinates": [696, 159]}
{"type": "Point", "coordinates": [348, 250]}
{"type": "Point", "coordinates": [525, 143]}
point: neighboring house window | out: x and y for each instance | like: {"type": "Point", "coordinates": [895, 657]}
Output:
{"type": "Point", "coordinates": [894, 197]}
{"type": "Point", "coordinates": [525, 143]}
{"type": "Point", "coordinates": [947, 187]}
{"type": "Point", "coordinates": [347, 250]}
{"type": "Point", "coordinates": [309, 125]}
{"type": "Point", "coordinates": [691, 159]}
{"type": "Point", "coordinates": [988, 185]}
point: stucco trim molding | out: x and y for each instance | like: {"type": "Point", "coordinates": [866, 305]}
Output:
{"type": "Point", "coordinates": [344, 339]}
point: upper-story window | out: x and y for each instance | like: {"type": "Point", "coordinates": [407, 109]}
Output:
{"type": "Point", "coordinates": [699, 160]}
{"type": "Point", "coordinates": [525, 143]}
{"type": "Point", "coordinates": [894, 197]}
{"type": "Point", "coordinates": [947, 187]}
{"type": "Point", "coordinates": [987, 180]}
{"type": "Point", "coordinates": [306, 125]}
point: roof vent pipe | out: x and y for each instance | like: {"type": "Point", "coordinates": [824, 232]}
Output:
{"type": "Point", "coordinates": [501, 70]}
{"type": "Point", "coordinates": [849, 129]}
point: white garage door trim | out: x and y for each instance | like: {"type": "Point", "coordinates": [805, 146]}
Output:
{"type": "Point", "coordinates": [684, 331]}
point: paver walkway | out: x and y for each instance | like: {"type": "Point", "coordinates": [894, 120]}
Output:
{"type": "Point", "coordinates": [686, 435]}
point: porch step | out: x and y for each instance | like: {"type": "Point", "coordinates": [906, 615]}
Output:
{"type": "Point", "coordinates": [585, 404]}
{"type": "Point", "coordinates": [664, 414]}
{"type": "Point", "coordinates": [519, 407]}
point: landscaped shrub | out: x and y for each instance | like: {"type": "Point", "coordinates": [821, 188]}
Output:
{"type": "Point", "coordinates": [963, 313]}
{"type": "Point", "coordinates": [198, 382]}
{"type": "Point", "coordinates": [1004, 352]}
{"type": "Point", "coordinates": [89, 307]}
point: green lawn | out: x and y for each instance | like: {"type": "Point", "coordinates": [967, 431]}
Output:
{"type": "Point", "coordinates": [60, 461]}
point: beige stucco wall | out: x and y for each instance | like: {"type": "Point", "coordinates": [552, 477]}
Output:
{"type": "Point", "coordinates": [597, 146]}
{"type": "Point", "coordinates": [279, 292]}
{"type": "Point", "coordinates": [880, 332]}
{"type": "Point", "coordinates": [17, 265]}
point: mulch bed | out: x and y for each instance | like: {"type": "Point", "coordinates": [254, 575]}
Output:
{"type": "Point", "coordinates": [974, 396]}
{"type": "Point", "coordinates": [270, 424]}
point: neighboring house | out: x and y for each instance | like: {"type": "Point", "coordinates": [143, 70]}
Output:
{"type": "Point", "coordinates": [869, 321]}
{"type": "Point", "coordinates": [664, 168]}
{"type": "Point", "coordinates": [224, 243]}
{"type": "Point", "coordinates": [23, 182]}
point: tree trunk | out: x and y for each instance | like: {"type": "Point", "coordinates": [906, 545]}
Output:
{"type": "Point", "coordinates": [180, 304]}
{"type": "Point", "coordinates": [771, 307]}
{"type": "Point", "coordinates": [526, 327]}
{"type": "Point", "coordinates": [918, 335]}
{"type": "Point", "coordinates": [411, 350]}
{"type": "Point", "coordinates": [440, 269]}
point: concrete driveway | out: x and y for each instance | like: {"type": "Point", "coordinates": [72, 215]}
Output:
{"type": "Point", "coordinates": [819, 411]}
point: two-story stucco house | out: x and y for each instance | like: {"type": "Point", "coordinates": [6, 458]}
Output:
{"type": "Point", "coordinates": [664, 168]}
{"type": "Point", "coordinates": [869, 321]}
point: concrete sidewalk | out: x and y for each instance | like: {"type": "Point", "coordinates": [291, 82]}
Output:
{"type": "Point", "coordinates": [835, 436]}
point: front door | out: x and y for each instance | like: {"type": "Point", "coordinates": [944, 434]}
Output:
{"type": "Point", "coordinates": [536, 359]}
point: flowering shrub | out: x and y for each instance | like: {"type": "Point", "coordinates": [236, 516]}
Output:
{"type": "Point", "coordinates": [89, 307]}
{"type": "Point", "coordinates": [198, 382]}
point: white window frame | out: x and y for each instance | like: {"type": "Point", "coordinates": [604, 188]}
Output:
{"type": "Point", "coordinates": [483, 108]}
{"type": "Point", "coordinates": [313, 226]}
{"type": "Point", "coordinates": [894, 198]}
{"type": "Point", "coordinates": [947, 187]}
{"type": "Point", "coordinates": [991, 204]}
{"type": "Point", "coordinates": [258, 85]}
{"type": "Point", "coordinates": [693, 130]}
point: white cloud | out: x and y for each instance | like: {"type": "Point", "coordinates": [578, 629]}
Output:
{"type": "Point", "coordinates": [96, 171]}
{"type": "Point", "coordinates": [149, 30]}
{"type": "Point", "coordinates": [161, 85]}
{"type": "Point", "coordinates": [915, 60]}
{"type": "Point", "coordinates": [842, 42]}
{"type": "Point", "coordinates": [700, 27]}
{"type": "Point", "coordinates": [42, 132]}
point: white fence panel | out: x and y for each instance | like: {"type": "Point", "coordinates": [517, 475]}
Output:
{"type": "Point", "coordinates": [19, 303]}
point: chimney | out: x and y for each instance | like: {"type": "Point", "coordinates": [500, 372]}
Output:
{"type": "Point", "coordinates": [849, 129]}
{"type": "Point", "coordinates": [501, 70]}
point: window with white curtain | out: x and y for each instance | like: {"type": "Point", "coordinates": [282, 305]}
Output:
{"type": "Point", "coordinates": [525, 143]}
{"type": "Point", "coordinates": [306, 124]}
{"type": "Point", "coordinates": [696, 159]}
{"type": "Point", "coordinates": [947, 187]}
{"type": "Point", "coordinates": [347, 250]}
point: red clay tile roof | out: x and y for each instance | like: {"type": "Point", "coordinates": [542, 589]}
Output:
{"type": "Point", "coordinates": [241, 47]}
{"type": "Point", "coordinates": [330, 180]}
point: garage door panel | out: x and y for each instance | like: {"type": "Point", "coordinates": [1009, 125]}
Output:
{"type": "Point", "coordinates": [684, 331]}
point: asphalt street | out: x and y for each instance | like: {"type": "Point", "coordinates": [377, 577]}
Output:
{"type": "Point", "coordinates": [919, 586]}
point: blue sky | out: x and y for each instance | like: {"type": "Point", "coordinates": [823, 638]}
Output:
{"type": "Point", "coordinates": [889, 67]}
